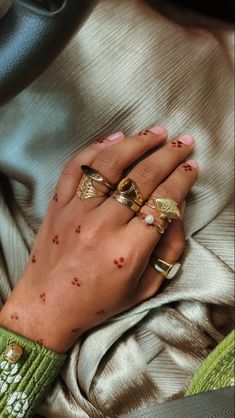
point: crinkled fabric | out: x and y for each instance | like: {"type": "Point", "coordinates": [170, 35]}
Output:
{"type": "Point", "coordinates": [128, 68]}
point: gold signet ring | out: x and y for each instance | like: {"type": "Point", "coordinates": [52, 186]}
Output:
{"type": "Point", "coordinates": [128, 194]}
{"type": "Point", "coordinates": [167, 208]}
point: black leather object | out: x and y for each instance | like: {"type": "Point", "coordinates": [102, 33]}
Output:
{"type": "Point", "coordinates": [31, 38]}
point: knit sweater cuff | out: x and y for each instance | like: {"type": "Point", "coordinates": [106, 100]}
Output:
{"type": "Point", "coordinates": [27, 369]}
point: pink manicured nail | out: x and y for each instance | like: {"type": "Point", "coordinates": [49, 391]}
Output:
{"type": "Point", "coordinates": [116, 136]}
{"type": "Point", "coordinates": [158, 130]}
{"type": "Point", "coordinates": [186, 139]}
{"type": "Point", "coordinates": [193, 163]}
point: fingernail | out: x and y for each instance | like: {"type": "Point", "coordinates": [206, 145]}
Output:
{"type": "Point", "coordinates": [193, 163]}
{"type": "Point", "coordinates": [158, 130]}
{"type": "Point", "coordinates": [186, 139]}
{"type": "Point", "coordinates": [116, 136]}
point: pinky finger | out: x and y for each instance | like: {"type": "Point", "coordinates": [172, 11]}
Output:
{"type": "Point", "coordinates": [169, 249]}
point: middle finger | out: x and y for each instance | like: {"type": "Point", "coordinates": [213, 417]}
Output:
{"type": "Point", "coordinates": [149, 173]}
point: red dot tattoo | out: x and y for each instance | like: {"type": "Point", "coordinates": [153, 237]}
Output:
{"type": "Point", "coordinates": [119, 262]}
{"type": "Point", "coordinates": [177, 144]}
{"type": "Point", "coordinates": [40, 341]}
{"type": "Point", "coordinates": [75, 330]}
{"type": "Point", "coordinates": [55, 197]}
{"type": "Point", "coordinates": [43, 297]}
{"type": "Point", "coordinates": [56, 239]}
{"type": "Point", "coordinates": [33, 259]}
{"type": "Point", "coordinates": [100, 140]}
{"type": "Point", "coordinates": [78, 229]}
{"type": "Point", "coordinates": [76, 282]}
{"type": "Point", "coordinates": [187, 167]}
{"type": "Point", "coordinates": [145, 132]}
{"type": "Point", "coordinates": [15, 316]}
{"type": "Point", "coordinates": [101, 312]}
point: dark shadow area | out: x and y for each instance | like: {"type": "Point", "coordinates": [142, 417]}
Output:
{"type": "Point", "coordinates": [197, 12]}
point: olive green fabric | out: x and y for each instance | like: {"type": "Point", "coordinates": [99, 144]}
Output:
{"type": "Point", "coordinates": [217, 371]}
{"type": "Point", "coordinates": [24, 383]}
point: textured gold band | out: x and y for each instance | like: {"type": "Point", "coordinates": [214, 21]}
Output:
{"type": "Point", "coordinates": [86, 189]}
{"type": "Point", "coordinates": [87, 186]}
{"type": "Point", "coordinates": [96, 176]}
{"type": "Point", "coordinates": [126, 202]}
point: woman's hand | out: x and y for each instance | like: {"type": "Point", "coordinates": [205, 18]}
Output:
{"type": "Point", "coordinates": [90, 259]}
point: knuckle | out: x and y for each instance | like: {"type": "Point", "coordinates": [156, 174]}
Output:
{"type": "Point", "coordinates": [71, 168]}
{"type": "Point", "coordinates": [106, 159]}
{"type": "Point", "coordinates": [91, 238]}
{"type": "Point", "coordinates": [145, 171]}
{"type": "Point", "coordinates": [168, 191]}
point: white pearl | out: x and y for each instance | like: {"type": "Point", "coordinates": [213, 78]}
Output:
{"type": "Point", "coordinates": [149, 219]}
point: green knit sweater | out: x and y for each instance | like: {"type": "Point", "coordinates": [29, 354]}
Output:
{"type": "Point", "coordinates": [27, 369]}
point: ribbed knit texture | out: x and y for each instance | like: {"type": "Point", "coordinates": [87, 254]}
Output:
{"type": "Point", "coordinates": [217, 371]}
{"type": "Point", "coordinates": [24, 383]}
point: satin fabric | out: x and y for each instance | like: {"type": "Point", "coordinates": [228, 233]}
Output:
{"type": "Point", "coordinates": [129, 68]}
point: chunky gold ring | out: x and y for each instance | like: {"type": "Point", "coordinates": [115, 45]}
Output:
{"type": "Point", "coordinates": [87, 188]}
{"type": "Point", "coordinates": [168, 270]}
{"type": "Point", "coordinates": [128, 193]}
{"type": "Point", "coordinates": [166, 208]}
{"type": "Point", "coordinates": [150, 220]}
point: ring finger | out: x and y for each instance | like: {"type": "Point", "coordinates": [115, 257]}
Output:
{"type": "Point", "coordinates": [175, 187]}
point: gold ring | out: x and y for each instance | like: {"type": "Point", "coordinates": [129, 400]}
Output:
{"type": "Point", "coordinates": [168, 270]}
{"type": "Point", "coordinates": [126, 202]}
{"type": "Point", "coordinates": [96, 176]}
{"type": "Point", "coordinates": [166, 208]}
{"type": "Point", "coordinates": [128, 193]}
{"type": "Point", "coordinates": [150, 220]}
{"type": "Point", "coordinates": [87, 188]}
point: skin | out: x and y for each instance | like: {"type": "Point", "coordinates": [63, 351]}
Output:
{"type": "Point", "coordinates": [90, 259]}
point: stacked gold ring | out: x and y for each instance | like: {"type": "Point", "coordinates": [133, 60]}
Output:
{"type": "Point", "coordinates": [128, 194]}
{"type": "Point", "coordinates": [151, 221]}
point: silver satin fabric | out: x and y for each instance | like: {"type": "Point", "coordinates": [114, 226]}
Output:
{"type": "Point", "coordinates": [129, 68]}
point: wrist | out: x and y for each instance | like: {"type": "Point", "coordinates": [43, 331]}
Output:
{"type": "Point", "coordinates": [41, 324]}
{"type": "Point", "coordinates": [30, 325]}
{"type": "Point", "coordinates": [26, 373]}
